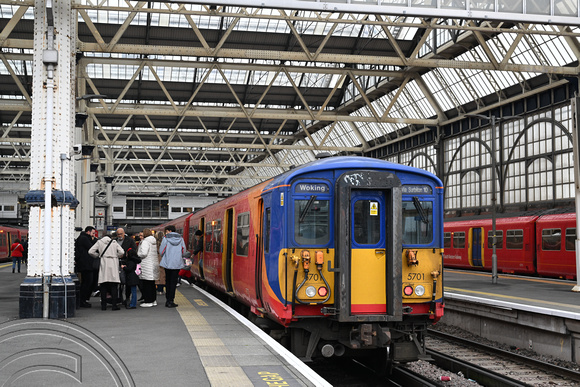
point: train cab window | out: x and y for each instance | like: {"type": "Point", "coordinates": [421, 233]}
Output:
{"type": "Point", "coordinates": [367, 229]}
{"type": "Point", "coordinates": [311, 221]}
{"type": "Point", "coordinates": [459, 240]}
{"type": "Point", "coordinates": [208, 234]}
{"type": "Point", "coordinates": [551, 239]}
{"type": "Point", "coordinates": [571, 239]}
{"type": "Point", "coordinates": [243, 234]}
{"type": "Point", "coordinates": [498, 239]}
{"type": "Point", "coordinates": [446, 239]}
{"type": "Point", "coordinates": [217, 236]}
{"type": "Point", "coordinates": [417, 222]}
{"type": "Point", "coordinates": [514, 239]}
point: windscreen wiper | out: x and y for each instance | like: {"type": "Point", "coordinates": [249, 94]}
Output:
{"type": "Point", "coordinates": [420, 209]}
{"type": "Point", "coordinates": [305, 210]}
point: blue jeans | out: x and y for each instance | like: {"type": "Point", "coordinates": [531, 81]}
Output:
{"type": "Point", "coordinates": [133, 303]}
{"type": "Point", "coordinates": [14, 260]}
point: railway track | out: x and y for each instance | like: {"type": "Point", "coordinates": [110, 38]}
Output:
{"type": "Point", "coordinates": [490, 366]}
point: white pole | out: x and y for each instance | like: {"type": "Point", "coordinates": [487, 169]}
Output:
{"type": "Point", "coordinates": [48, 177]}
{"type": "Point", "coordinates": [493, 204]}
{"type": "Point", "coordinates": [575, 117]}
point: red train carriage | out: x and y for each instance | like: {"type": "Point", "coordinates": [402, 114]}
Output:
{"type": "Point", "coordinates": [342, 254]}
{"type": "Point", "coordinates": [468, 244]}
{"type": "Point", "coordinates": [556, 253]}
{"type": "Point", "coordinates": [7, 236]}
{"type": "Point", "coordinates": [539, 244]}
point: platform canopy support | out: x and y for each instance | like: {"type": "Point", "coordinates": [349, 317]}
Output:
{"type": "Point", "coordinates": [575, 128]}
{"type": "Point", "coordinates": [48, 290]}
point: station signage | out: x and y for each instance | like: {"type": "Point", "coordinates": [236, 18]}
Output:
{"type": "Point", "coordinates": [417, 189]}
{"type": "Point", "coordinates": [319, 188]}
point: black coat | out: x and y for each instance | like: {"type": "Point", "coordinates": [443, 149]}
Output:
{"type": "Point", "coordinates": [83, 261]}
{"type": "Point", "coordinates": [130, 265]}
{"type": "Point", "coordinates": [128, 243]}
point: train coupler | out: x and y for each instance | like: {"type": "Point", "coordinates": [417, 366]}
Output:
{"type": "Point", "coordinates": [369, 335]}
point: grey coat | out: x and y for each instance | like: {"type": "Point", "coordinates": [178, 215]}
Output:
{"type": "Point", "coordinates": [109, 269]}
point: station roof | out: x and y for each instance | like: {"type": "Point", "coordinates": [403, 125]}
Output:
{"type": "Point", "coordinates": [208, 99]}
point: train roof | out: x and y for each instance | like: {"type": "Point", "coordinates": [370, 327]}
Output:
{"type": "Point", "coordinates": [555, 212]}
{"type": "Point", "coordinates": [348, 162]}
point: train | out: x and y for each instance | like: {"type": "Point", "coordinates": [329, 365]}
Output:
{"type": "Point", "coordinates": [8, 234]}
{"type": "Point", "coordinates": [341, 256]}
{"type": "Point", "coordinates": [533, 244]}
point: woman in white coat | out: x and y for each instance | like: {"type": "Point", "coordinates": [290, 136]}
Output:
{"type": "Point", "coordinates": [109, 250]}
{"type": "Point", "coordinates": [149, 268]}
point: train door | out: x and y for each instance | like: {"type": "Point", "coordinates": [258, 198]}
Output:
{"type": "Point", "coordinates": [475, 247]}
{"type": "Point", "coordinates": [229, 223]}
{"type": "Point", "coordinates": [368, 253]}
{"type": "Point", "coordinates": [200, 254]}
{"type": "Point", "coordinates": [368, 246]}
{"type": "Point", "coordinates": [261, 245]}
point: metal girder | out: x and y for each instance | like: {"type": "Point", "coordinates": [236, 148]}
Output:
{"type": "Point", "coordinates": [148, 128]}
{"type": "Point", "coordinates": [330, 58]}
{"type": "Point", "coordinates": [207, 111]}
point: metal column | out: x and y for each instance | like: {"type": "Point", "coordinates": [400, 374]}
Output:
{"type": "Point", "coordinates": [48, 290]}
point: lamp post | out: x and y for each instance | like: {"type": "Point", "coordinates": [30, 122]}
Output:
{"type": "Point", "coordinates": [492, 120]}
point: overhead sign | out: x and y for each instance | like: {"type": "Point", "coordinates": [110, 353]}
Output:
{"type": "Point", "coordinates": [417, 189]}
{"type": "Point", "coordinates": [320, 188]}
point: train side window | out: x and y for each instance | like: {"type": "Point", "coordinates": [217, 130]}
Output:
{"type": "Point", "coordinates": [459, 240]}
{"type": "Point", "coordinates": [446, 239]}
{"type": "Point", "coordinates": [243, 234]}
{"type": "Point", "coordinates": [514, 239]}
{"type": "Point", "coordinates": [208, 234]}
{"type": "Point", "coordinates": [498, 239]}
{"type": "Point", "coordinates": [571, 239]}
{"type": "Point", "coordinates": [551, 239]}
{"type": "Point", "coordinates": [217, 234]}
{"type": "Point", "coordinates": [267, 231]}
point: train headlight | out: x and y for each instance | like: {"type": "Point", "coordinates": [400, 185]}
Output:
{"type": "Point", "coordinates": [408, 290]}
{"type": "Point", "coordinates": [322, 291]}
{"type": "Point", "coordinates": [311, 291]}
{"type": "Point", "coordinates": [420, 290]}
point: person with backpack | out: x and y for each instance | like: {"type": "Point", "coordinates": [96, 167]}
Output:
{"type": "Point", "coordinates": [16, 252]}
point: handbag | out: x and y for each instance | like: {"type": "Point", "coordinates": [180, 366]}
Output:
{"type": "Point", "coordinates": [97, 261]}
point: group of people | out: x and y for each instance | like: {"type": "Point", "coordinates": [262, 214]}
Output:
{"type": "Point", "coordinates": [118, 260]}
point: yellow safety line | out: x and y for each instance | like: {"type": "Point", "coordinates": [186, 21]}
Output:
{"type": "Point", "coordinates": [534, 301]}
{"type": "Point", "coordinates": [527, 279]}
{"type": "Point", "coordinates": [220, 366]}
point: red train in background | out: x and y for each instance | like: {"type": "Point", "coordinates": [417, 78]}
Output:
{"type": "Point", "coordinates": [8, 234]}
{"type": "Point", "coordinates": [540, 244]}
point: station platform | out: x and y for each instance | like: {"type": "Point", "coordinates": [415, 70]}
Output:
{"type": "Point", "coordinates": [202, 342]}
{"type": "Point", "coordinates": [537, 314]}
{"type": "Point", "coordinates": [540, 295]}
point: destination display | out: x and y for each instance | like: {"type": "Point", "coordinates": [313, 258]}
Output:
{"type": "Point", "coordinates": [416, 189]}
{"type": "Point", "coordinates": [320, 188]}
